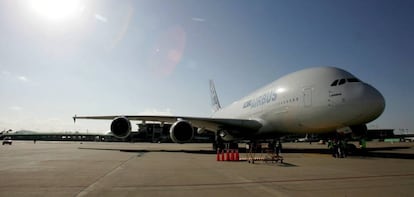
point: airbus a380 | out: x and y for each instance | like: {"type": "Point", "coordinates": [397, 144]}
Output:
{"type": "Point", "coordinates": [315, 100]}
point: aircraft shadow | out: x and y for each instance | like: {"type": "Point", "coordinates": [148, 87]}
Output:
{"type": "Point", "coordinates": [369, 152]}
{"type": "Point", "coordinates": [153, 150]}
{"type": "Point", "coordinates": [376, 152]}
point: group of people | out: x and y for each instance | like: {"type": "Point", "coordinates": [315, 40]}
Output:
{"type": "Point", "coordinates": [338, 148]}
{"type": "Point", "coordinates": [276, 146]}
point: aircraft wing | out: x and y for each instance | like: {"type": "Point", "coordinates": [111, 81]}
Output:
{"type": "Point", "coordinates": [211, 124]}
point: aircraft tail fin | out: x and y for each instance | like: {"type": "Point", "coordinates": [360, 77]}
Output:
{"type": "Point", "coordinates": [214, 98]}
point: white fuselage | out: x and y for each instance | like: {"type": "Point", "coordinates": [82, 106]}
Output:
{"type": "Point", "coordinates": [308, 101]}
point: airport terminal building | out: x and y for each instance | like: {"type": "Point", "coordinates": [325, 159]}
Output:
{"type": "Point", "coordinates": [146, 133]}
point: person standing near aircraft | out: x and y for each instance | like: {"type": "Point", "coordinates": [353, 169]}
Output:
{"type": "Point", "coordinates": [272, 146]}
{"type": "Point", "coordinates": [343, 148]}
{"type": "Point", "coordinates": [337, 150]}
{"type": "Point", "coordinates": [278, 148]}
{"type": "Point", "coordinates": [362, 145]}
{"type": "Point", "coordinates": [331, 147]}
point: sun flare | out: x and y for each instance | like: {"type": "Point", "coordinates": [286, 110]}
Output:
{"type": "Point", "coordinates": [56, 10]}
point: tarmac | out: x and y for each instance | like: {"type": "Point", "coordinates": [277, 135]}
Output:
{"type": "Point", "coordinates": [146, 169]}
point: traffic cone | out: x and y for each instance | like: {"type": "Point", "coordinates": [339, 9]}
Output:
{"type": "Point", "coordinates": [237, 155]}
{"type": "Point", "coordinates": [222, 155]}
{"type": "Point", "coordinates": [231, 155]}
{"type": "Point", "coordinates": [218, 155]}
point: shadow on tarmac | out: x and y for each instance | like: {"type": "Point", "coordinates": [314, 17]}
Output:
{"type": "Point", "coordinates": [154, 150]}
{"type": "Point", "coordinates": [380, 152]}
{"type": "Point", "coordinates": [369, 152]}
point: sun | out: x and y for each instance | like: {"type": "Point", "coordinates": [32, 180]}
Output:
{"type": "Point", "coordinates": [56, 10]}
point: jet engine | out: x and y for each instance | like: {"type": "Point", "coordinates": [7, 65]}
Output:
{"type": "Point", "coordinates": [121, 127]}
{"type": "Point", "coordinates": [181, 131]}
{"type": "Point", "coordinates": [356, 130]}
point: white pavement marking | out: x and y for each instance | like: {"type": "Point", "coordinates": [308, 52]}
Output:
{"type": "Point", "coordinates": [96, 184]}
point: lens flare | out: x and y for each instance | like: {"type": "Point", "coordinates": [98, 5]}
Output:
{"type": "Point", "coordinates": [56, 10]}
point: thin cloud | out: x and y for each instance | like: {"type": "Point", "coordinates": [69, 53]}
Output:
{"type": "Point", "coordinates": [23, 78]}
{"type": "Point", "coordinates": [165, 112]}
{"type": "Point", "coordinates": [5, 73]}
{"type": "Point", "coordinates": [192, 65]}
{"type": "Point", "coordinates": [200, 20]}
{"type": "Point", "coordinates": [16, 108]}
{"type": "Point", "coordinates": [101, 18]}
{"type": "Point", "coordinates": [9, 75]}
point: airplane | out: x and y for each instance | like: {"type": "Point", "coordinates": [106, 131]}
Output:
{"type": "Point", "coordinates": [320, 100]}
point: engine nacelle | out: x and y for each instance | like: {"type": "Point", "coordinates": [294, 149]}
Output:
{"type": "Point", "coordinates": [121, 127]}
{"type": "Point", "coordinates": [356, 131]}
{"type": "Point", "coordinates": [181, 131]}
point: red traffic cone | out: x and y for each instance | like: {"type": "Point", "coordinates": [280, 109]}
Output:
{"type": "Point", "coordinates": [218, 155]}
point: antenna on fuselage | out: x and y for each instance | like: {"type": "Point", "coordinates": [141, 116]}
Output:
{"type": "Point", "coordinates": [214, 98]}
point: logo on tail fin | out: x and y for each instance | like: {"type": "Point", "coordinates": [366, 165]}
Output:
{"type": "Point", "coordinates": [214, 98]}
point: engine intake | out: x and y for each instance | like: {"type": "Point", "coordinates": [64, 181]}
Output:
{"type": "Point", "coordinates": [181, 131]}
{"type": "Point", "coordinates": [121, 127]}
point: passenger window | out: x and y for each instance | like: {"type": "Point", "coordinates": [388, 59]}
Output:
{"type": "Point", "coordinates": [334, 83]}
{"type": "Point", "coordinates": [342, 81]}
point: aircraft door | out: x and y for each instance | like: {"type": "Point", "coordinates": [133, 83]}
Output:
{"type": "Point", "coordinates": [307, 97]}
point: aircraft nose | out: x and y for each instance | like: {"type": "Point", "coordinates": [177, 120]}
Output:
{"type": "Point", "coordinates": [374, 102]}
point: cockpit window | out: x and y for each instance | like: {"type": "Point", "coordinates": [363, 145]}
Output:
{"type": "Point", "coordinates": [339, 82]}
{"type": "Point", "coordinates": [352, 80]}
{"type": "Point", "coordinates": [335, 83]}
{"type": "Point", "coordinates": [342, 81]}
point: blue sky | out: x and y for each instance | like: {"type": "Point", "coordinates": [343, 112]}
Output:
{"type": "Point", "coordinates": [155, 56]}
